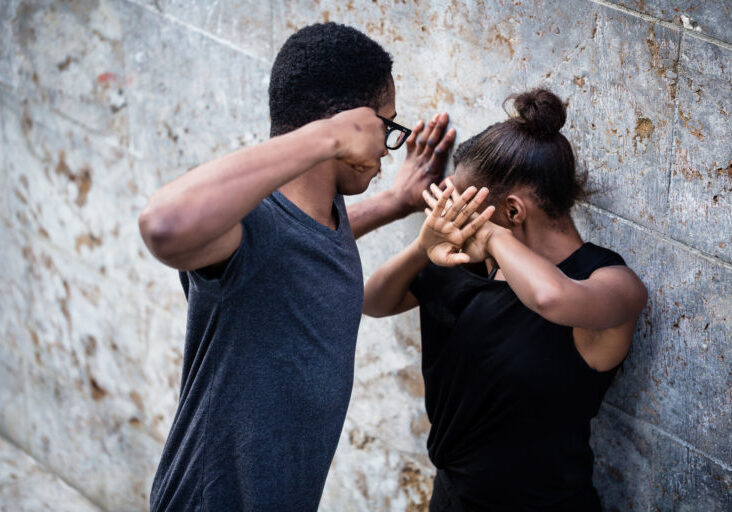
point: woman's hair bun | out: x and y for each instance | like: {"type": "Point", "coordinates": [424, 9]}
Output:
{"type": "Point", "coordinates": [540, 112]}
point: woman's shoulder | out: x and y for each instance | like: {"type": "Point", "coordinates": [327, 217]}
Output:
{"type": "Point", "coordinates": [589, 258]}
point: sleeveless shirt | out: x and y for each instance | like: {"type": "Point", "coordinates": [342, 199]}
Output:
{"type": "Point", "coordinates": [507, 393]}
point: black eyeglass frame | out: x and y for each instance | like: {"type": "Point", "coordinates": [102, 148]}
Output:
{"type": "Point", "coordinates": [392, 126]}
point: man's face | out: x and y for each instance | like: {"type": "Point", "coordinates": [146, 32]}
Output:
{"type": "Point", "coordinates": [350, 181]}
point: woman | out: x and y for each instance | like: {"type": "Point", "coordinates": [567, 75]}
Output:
{"type": "Point", "coordinates": [523, 325]}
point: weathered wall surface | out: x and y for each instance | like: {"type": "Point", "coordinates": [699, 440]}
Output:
{"type": "Point", "coordinates": [103, 101]}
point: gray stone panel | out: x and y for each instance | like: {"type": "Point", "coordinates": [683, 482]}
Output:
{"type": "Point", "coordinates": [7, 76]}
{"type": "Point", "coordinates": [639, 468]}
{"type": "Point", "coordinates": [618, 73]}
{"type": "Point", "coordinates": [700, 198]}
{"type": "Point", "coordinates": [246, 24]}
{"type": "Point", "coordinates": [92, 444]}
{"type": "Point", "coordinates": [191, 99]}
{"type": "Point", "coordinates": [69, 56]}
{"type": "Point", "coordinates": [677, 373]}
{"type": "Point", "coordinates": [27, 486]}
{"type": "Point", "coordinates": [710, 17]}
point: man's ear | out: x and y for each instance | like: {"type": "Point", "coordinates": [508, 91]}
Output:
{"type": "Point", "coordinates": [515, 210]}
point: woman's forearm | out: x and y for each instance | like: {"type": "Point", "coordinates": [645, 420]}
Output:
{"type": "Point", "coordinates": [386, 290]}
{"type": "Point", "coordinates": [535, 280]}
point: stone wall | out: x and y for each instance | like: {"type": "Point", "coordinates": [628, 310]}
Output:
{"type": "Point", "coordinates": [103, 101]}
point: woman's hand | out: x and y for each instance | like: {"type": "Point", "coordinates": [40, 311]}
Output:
{"type": "Point", "coordinates": [445, 232]}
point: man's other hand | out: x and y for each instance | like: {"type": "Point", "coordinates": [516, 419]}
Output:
{"type": "Point", "coordinates": [427, 150]}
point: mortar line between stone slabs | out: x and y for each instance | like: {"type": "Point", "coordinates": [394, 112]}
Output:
{"type": "Point", "coordinates": [667, 24]}
{"type": "Point", "coordinates": [198, 30]}
{"type": "Point", "coordinates": [674, 126]}
{"type": "Point", "coordinates": [658, 430]}
{"type": "Point", "coordinates": [50, 471]}
{"type": "Point", "coordinates": [658, 234]}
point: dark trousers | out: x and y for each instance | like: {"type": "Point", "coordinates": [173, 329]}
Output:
{"type": "Point", "coordinates": [444, 499]}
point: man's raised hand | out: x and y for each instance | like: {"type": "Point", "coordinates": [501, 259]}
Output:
{"type": "Point", "coordinates": [359, 136]}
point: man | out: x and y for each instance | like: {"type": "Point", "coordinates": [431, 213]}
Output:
{"type": "Point", "coordinates": [273, 278]}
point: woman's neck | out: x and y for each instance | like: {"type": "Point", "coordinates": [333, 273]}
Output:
{"type": "Point", "coordinates": [555, 239]}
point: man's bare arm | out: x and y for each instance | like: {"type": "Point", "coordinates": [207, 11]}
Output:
{"type": "Point", "coordinates": [193, 221]}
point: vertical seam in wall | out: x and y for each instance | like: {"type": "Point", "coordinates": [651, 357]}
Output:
{"type": "Point", "coordinates": [674, 126]}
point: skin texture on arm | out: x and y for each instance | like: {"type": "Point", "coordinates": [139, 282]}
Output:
{"type": "Point", "coordinates": [427, 150]}
{"type": "Point", "coordinates": [194, 221]}
{"type": "Point", "coordinates": [387, 292]}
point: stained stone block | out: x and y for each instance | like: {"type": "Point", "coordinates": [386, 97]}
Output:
{"type": "Point", "coordinates": [25, 485]}
{"type": "Point", "coordinates": [90, 443]}
{"type": "Point", "coordinates": [371, 475]}
{"type": "Point", "coordinates": [83, 194]}
{"type": "Point", "coordinates": [676, 375]}
{"type": "Point", "coordinates": [638, 467]}
{"type": "Point", "coordinates": [710, 17]}
{"type": "Point", "coordinates": [246, 24]}
{"type": "Point", "coordinates": [13, 400]}
{"type": "Point", "coordinates": [191, 99]}
{"type": "Point", "coordinates": [69, 56]}
{"type": "Point", "coordinates": [700, 190]}
{"type": "Point", "coordinates": [7, 77]}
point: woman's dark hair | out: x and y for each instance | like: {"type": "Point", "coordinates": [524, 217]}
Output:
{"type": "Point", "coordinates": [527, 149]}
{"type": "Point", "coordinates": [323, 69]}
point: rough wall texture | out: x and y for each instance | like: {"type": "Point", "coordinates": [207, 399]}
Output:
{"type": "Point", "coordinates": [103, 101]}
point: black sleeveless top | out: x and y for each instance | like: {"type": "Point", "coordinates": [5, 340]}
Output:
{"type": "Point", "coordinates": [509, 397]}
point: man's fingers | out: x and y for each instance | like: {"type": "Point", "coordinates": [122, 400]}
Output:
{"type": "Point", "coordinates": [470, 208]}
{"type": "Point", "coordinates": [476, 223]}
{"type": "Point", "coordinates": [422, 141]}
{"type": "Point", "coordinates": [412, 139]}
{"type": "Point", "coordinates": [435, 135]}
{"type": "Point", "coordinates": [445, 144]}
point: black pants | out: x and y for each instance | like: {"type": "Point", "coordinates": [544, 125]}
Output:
{"type": "Point", "coordinates": [444, 499]}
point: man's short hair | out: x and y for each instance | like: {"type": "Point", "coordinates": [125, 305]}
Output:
{"type": "Point", "coordinates": [323, 69]}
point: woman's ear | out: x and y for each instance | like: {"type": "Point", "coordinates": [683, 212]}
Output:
{"type": "Point", "coordinates": [515, 210]}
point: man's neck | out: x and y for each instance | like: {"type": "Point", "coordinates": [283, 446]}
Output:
{"type": "Point", "coordinates": [313, 192]}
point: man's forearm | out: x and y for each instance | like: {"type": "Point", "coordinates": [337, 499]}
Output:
{"type": "Point", "coordinates": [207, 201]}
{"type": "Point", "coordinates": [376, 211]}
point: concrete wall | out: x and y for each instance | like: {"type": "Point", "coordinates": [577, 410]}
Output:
{"type": "Point", "coordinates": [103, 101]}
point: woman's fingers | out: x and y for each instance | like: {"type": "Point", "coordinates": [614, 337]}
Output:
{"type": "Point", "coordinates": [470, 208]}
{"type": "Point", "coordinates": [429, 198]}
{"type": "Point", "coordinates": [439, 208]}
{"type": "Point", "coordinates": [477, 223]}
{"type": "Point", "coordinates": [459, 202]}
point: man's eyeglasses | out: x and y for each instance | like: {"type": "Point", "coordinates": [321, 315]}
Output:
{"type": "Point", "coordinates": [396, 134]}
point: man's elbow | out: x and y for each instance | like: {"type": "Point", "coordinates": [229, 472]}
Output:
{"type": "Point", "coordinates": [158, 232]}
